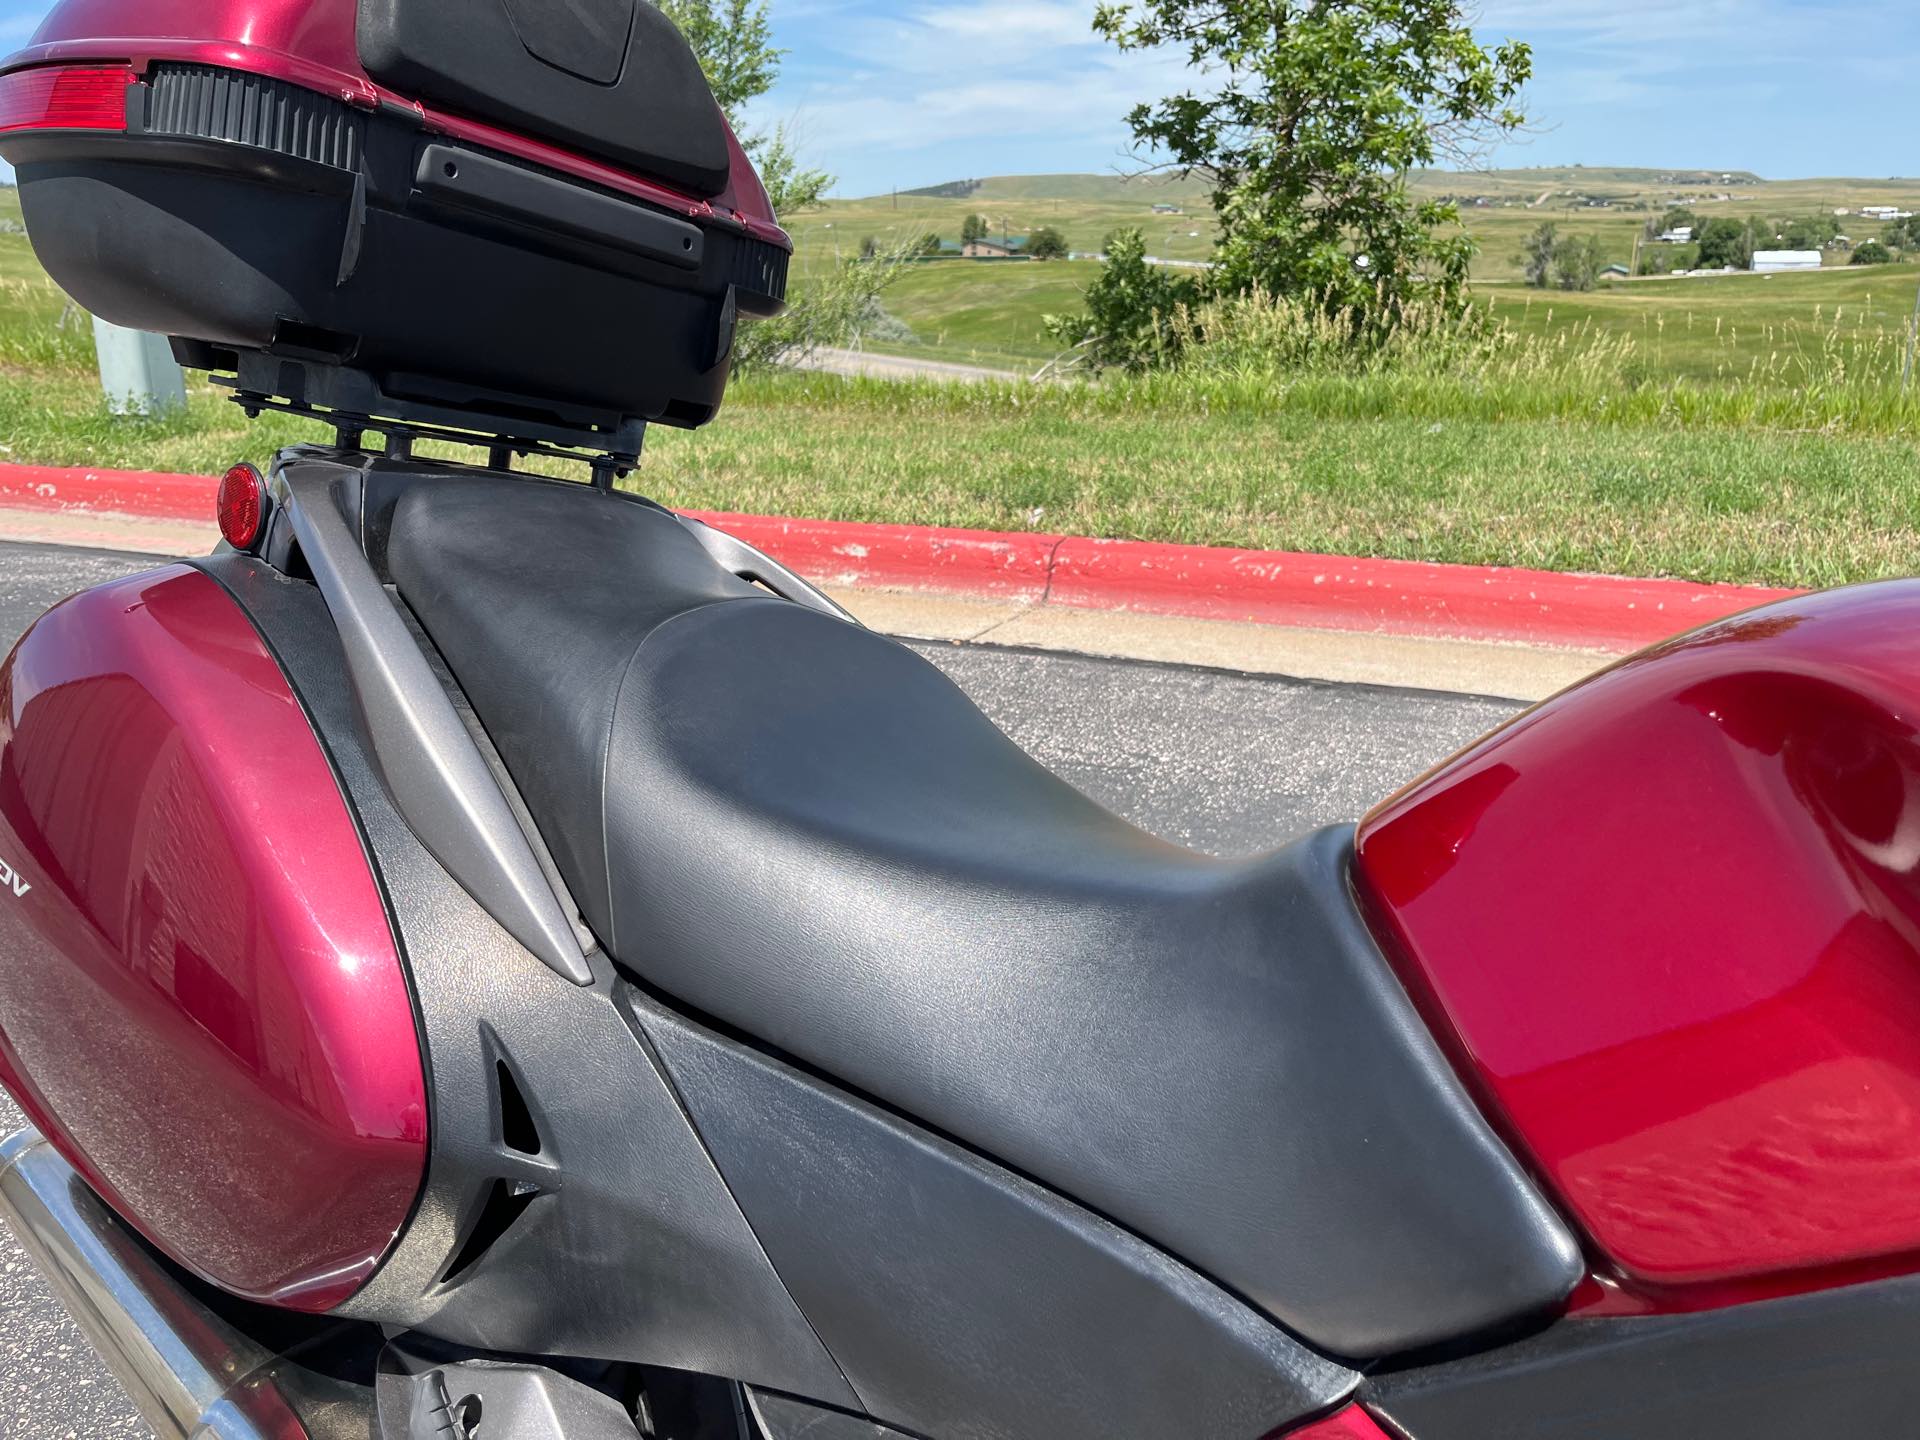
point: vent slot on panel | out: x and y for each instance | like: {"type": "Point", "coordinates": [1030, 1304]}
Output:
{"type": "Point", "coordinates": [516, 1116]}
{"type": "Point", "coordinates": [509, 1195]}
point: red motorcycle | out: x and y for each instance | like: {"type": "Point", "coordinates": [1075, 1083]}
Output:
{"type": "Point", "coordinates": [489, 957]}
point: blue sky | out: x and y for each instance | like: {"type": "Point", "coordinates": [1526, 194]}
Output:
{"type": "Point", "coordinates": [887, 94]}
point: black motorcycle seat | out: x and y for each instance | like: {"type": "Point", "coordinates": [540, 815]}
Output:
{"type": "Point", "coordinates": [805, 832]}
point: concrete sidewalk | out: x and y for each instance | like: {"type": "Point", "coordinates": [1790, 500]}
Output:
{"type": "Point", "coordinates": [1460, 667]}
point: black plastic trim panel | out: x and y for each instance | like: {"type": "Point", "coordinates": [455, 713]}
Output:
{"type": "Point", "coordinates": [1846, 1362]}
{"type": "Point", "coordinates": [204, 102]}
{"type": "Point", "coordinates": [480, 184]}
{"type": "Point", "coordinates": [962, 1302]}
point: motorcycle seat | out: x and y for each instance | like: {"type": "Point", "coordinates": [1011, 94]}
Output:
{"type": "Point", "coordinates": [804, 832]}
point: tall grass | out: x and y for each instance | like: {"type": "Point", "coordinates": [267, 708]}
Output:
{"type": "Point", "coordinates": [41, 330]}
{"type": "Point", "coordinates": [1261, 354]}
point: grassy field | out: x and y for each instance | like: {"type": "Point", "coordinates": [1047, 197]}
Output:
{"type": "Point", "coordinates": [1000, 322]}
{"type": "Point", "coordinates": [1085, 208]}
{"type": "Point", "coordinates": [1742, 429]}
{"type": "Point", "coordinates": [992, 313]}
{"type": "Point", "coordinates": [1792, 329]}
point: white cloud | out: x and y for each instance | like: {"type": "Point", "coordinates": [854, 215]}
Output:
{"type": "Point", "coordinates": [867, 86]}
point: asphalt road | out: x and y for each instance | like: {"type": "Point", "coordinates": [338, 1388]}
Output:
{"type": "Point", "coordinates": [1221, 762]}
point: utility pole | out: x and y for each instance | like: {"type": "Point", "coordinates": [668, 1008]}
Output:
{"type": "Point", "coordinates": [1913, 333]}
{"type": "Point", "coordinates": [137, 371]}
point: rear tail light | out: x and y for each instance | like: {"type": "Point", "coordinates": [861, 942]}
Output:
{"type": "Point", "coordinates": [243, 507]}
{"type": "Point", "coordinates": [65, 97]}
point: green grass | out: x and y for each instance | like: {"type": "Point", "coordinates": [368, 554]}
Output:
{"type": "Point", "coordinates": [1343, 467]}
{"type": "Point", "coordinates": [952, 313]}
{"type": "Point", "coordinates": [1639, 496]}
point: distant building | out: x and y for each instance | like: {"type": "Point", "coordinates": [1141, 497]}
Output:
{"type": "Point", "coordinates": [1774, 262]}
{"type": "Point", "coordinates": [1618, 271]}
{"type": "Point", "coordinates": [1164, 209]}
{"type": "Point", "coordinates": [1679, 235]}
{"type": "Point", "coordinates": [1006, 248]}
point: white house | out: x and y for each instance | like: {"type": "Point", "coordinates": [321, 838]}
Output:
{"type": "Point", "coordinates": [1773, 262]}
{"type": "Point", "coordinates": [1679, 235]}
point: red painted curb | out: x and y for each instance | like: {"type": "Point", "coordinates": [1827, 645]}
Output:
{"type": "Point", "coordinates": [1323, 592]}
{"type": "Point", "coordinates": [1407, 597]}
{"type": "Point", "coordinates": [1000, 566]}
{"type": "Point", "coordinates": [148, 495]}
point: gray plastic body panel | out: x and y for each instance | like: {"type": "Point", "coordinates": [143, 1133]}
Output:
{"type": "Point", "coordinates": [962, 1302]}
{"type": "Point", "coordinates": [438, 779]}
{"type": "Point", "coordinates": [1842, 1362]}
{"type": "Point", "coordinates": [635, 1249]}
{"type": "Point", "coordinates": [737, 557]}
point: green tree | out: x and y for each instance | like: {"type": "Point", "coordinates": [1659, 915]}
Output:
{"type": "Point", "coordinates": [1665, 259]}
{"type": "Point", "coordinates": [734, 40]}
{"type": "Point", "coordinates": [927, 245]}
{"type": "Point", "coordinates": [1904, 234]}
{"type": "Point", "coordinates": [1723, 243]}
{"type": "Point", "coordinates": [1678, 218]}
{"type": "Point", "coordinates": [974, 227]}
{"type": "Point", "coordinates": [1047, 243]}
{"type": "Point", "coordinates": [1537, 258]}
{"type": "Point", "coordinates": [1311, 116]}
{"type": "Point", "coordinates": [1806, 232]}
{"type": "Point", "coordinates": [1577, 262]}
{"type": "Point", "coordinates": [1131, 305]}
{"type": "Point", "coordinates": [1872, 252]}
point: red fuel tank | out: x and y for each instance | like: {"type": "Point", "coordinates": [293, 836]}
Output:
{"type": "Point", "coordinates": [201, 1000]}
{"type": "Point", "coordinates": [1670, 922]}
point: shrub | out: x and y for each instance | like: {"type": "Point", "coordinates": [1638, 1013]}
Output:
{"type": "Point", "coordinates": [1872, 252]}
{"type": "Point", "coordinates": [1128, 323]}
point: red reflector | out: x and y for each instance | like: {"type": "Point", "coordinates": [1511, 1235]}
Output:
{"type": "Point", "coordinates": [242, 506]}
{"type": "Point", "coordinates": [64, 97]}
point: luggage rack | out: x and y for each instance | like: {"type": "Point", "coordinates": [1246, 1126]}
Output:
{"type": "Point", "coordinates": [354, 403]}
